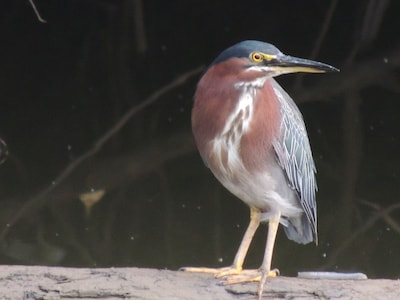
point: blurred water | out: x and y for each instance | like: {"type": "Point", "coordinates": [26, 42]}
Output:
{"type": "Point", "coordinates": [64, 84]}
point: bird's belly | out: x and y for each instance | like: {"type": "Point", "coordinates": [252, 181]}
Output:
{"type": "Point", "coordinates": [267, 191]}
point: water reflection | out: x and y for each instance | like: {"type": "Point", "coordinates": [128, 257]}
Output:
{"type": "Point", "coordinates": [174, 213]}
{"type": "Point", "coordinates": [153, 203]}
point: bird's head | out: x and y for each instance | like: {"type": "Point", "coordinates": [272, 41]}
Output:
{"type": "Point", "coordinates": [265, 60]}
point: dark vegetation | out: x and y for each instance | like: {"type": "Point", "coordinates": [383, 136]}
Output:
{"type": "Point", "coordinates": [102, 169]}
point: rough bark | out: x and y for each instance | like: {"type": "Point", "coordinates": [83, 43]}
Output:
{"type": "Point", "coordinates": [38, 282]}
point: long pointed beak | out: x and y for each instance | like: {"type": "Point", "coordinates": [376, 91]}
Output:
{"type": "Point", "coordinates": [289, 64]}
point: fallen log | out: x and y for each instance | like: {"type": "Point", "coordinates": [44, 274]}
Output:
{"type": "Point", "coordinates": [39, 282]}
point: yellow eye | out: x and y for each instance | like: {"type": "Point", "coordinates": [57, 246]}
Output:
{"type": "Point", "coordinates": [256, 57]}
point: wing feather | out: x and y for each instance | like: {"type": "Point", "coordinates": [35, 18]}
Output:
{"type": "Point", "coordinates": [294, 154]}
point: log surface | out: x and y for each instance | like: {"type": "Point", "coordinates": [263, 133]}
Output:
{"type": "Point", "coordinates": [38, 282]}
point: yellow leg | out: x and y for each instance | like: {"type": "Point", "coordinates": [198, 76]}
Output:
{"type": "Point", "coordinates": [265, 269]}
{"type": "Point", "coordinates": [234, 273]}
{"type": "Point", "coordinates": [260, 275]}
{"type": "Point", "coordinates": [237, 265]}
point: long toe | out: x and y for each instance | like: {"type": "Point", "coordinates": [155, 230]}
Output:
{"type": "Point", "coordinates": [228, 271]}
{"type": "Point", "coordinates": [199, 270]}
{"type": "Point", "coordinates": [244, 276]}
{"type": "Point", "coordinates": [219, 272]}
{"type": "Point", "coordinates": [263, 279]}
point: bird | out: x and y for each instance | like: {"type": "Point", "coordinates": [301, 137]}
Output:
{"type": "Point", "coordinates": [253, 138]}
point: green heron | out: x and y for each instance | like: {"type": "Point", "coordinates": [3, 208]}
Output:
{"type": "Point", "coordinates": [252, 136]}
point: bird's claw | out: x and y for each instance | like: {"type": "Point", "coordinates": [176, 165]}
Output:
{"type": "Point", "coordinates": [274, 273]}
{"type": "Point", "coordinates": [234, 275]}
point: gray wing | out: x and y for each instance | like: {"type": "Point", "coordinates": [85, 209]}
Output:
{"type": "Point", "coordinates": [294, 154]}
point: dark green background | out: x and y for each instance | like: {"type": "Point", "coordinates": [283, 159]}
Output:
{"type": "Point", "coordinates": [63, 84]}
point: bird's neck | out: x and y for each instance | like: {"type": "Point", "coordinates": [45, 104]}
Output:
{"type": "Point", "coordinates": [252, 85]}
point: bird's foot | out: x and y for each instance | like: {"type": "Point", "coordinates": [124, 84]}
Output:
{"type": "Point", "coordinates": [232, 274]}
{"type": "Point", "coordinates": [252, 275]}
{"type": "Point", "coordinates": [218, 272]}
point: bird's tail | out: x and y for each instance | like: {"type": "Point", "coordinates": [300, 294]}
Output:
{"type": "Point", "coordinates": [299, 229]}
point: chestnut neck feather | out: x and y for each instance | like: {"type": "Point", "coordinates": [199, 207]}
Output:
{"type": "Point", "coordinates": [217, 98]}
